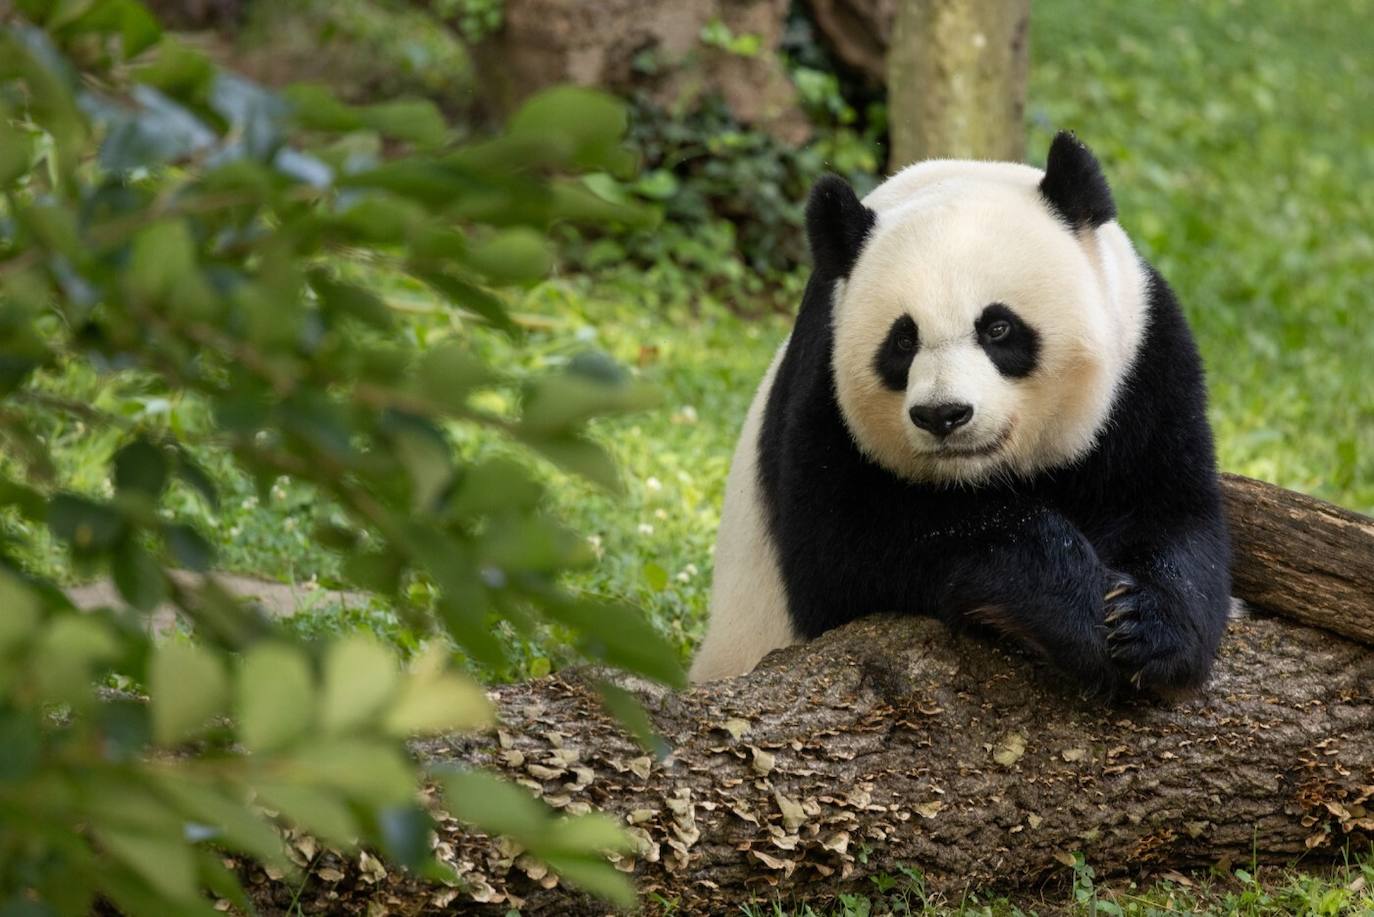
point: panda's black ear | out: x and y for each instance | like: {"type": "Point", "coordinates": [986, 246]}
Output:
{"type": "Point", "coordinates": [836, 226]}
{"type": "Point", "coordinates": [1075, 186]}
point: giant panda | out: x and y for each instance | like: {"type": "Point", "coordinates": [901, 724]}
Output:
{"type": "Point", "coordinates": [990, 410]}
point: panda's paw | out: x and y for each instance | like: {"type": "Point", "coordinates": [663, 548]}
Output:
{"type": "Point", "coordinates": [1128, 642]}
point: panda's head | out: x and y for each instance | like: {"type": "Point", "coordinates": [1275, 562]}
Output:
{"type": "Point", "coordinates": [983, 313]}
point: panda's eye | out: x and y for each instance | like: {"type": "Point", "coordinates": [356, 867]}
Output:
{"type": "Point", "coordinates": [998, 330]}
{"type": "Point", "coordinates": [906, 343]}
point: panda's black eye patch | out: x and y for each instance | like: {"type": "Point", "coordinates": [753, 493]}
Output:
{"type": "Point", "coordinates": [1011, 344]}
{"type": "Point", "coordinates": [893, 358]}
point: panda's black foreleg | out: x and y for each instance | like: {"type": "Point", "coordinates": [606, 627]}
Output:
{"type": "Point", "coordinates": [1037, 581]}
{"type": "Point", "coordinates": [1150, 621]}
{"type": "Point", "coordinates": [1167, 608]}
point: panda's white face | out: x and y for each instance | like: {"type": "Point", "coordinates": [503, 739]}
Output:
{"type": "Point", "coordinates": [977, 335]}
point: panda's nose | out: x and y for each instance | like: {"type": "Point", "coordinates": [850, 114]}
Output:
{"type": "Point", "coordinates": [941, 419]}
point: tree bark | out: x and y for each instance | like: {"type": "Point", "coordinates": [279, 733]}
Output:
{"type": "Point", "coordinates": [858, 32]}
{"type": "Point", "coordinates": [653, 47]}
{"type": "Point", "coordinates": [1302, 557]}
{"type": "Point", "coordinates": [957, 80]}
{"type": "Point", "coordinates": [892, 742]}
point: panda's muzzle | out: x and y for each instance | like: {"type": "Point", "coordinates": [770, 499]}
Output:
{"type": "Point", "coordinates": [941, 419]}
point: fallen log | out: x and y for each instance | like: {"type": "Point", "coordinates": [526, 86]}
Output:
{"type": "Point", "coordinates": [892, 742]}
{"type": "Point", "coordinates": [1301, 557]}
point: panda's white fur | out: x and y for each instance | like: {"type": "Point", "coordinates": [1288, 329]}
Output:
{"type": "Point", "coordinates": [950, 236]}
{"type": "Point", "coordinates": [747, 580]}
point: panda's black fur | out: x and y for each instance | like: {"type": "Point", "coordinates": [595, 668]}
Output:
{"type": "Point", "coordinates": [1115, 569]}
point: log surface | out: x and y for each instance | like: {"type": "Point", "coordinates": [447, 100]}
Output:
{"type": "Point", "coordinates": [1301, 557]}
{"type": "Point", "coordinates": [892, 742]}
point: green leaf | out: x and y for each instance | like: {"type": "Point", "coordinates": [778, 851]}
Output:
{"type": "Point", "coordinates": [578, 203]}
{"type": "Point", "coordinates": [342, 299]}
{"type": "Point", "coordinates": [580, 456]}
{"type": "Point", "coordinates": [21, 745]}
{"type": "Point", "coordinates": [415, 120]}
{"type": "Point", "coordinates": [179, 71]}
{"type": "Point", "coordinates": [70, 647]}
{"type": "Point", "coordinates": [371, 772]}
{"type": "Point", "coordinates": [28, 54]}
{"type": "Point", "coordinates": [138, 575]}
{"type": "Point", "coordinates": [376, 571]}
{"type": "Point", "coordinates": [221, 880]}
{"type": "Point", "coordinates": [425, 454]}
{"type": "Point", "coordinates": [255, 115]}
{"type": "Point", "coordinates": [378, 219]}
{"type": "Point", "coordinates": [625, 707]}
{"type": "Point", "coordinates": [620, 635]}
{"type": "Point", "coordinates": [434, 185]}
{"type": "Point", "coordinates": [16, 153]}
{"type": "Point", "coordinates": [221, 810]}
{"type": "Point", "coordinates": [585, 834]}
{"type": "Point", "coordinates": [164, 271]}
{"type": "Point", "coordinates": [276, 697]}
{"type": "Point", "coordinates": [447, 374]}
{"type": "Point", "coordinates": [360, 676]}
{"type": "Point", "coordinates": [187, 685]}
{"type": "Point", "coordinates": [141, 467]}
{"type": "Point", "coordinates": [495, 806]}
{"type": "Point", "coordinates": [595, 876]}
{"type": "Point", "coordinates": [581, 128]}
{"type": "Point", "coordinates": [165, 864]}
{"type": "Point", "coordinates": [512, 256]}
{"type": "Point", "coordinates": [84, 524]}
{"type": "Point", "coordinates": [317, 108]}
{"type": "Point", "coordinates": [137, 28]}
{"type": "Point", "coordinates": [188, 547]}
{"type": "Point", "coordinates": [405, 832]}
{"type": "Point", "coordinates": [464, 295]}
{"type": "Point", "coordinates": [563, 402]}
{"type": "Point", "coordinates": [443, 702]}
{"type": "Point", "coordinates": [26, 501]}
{"type": "Point", "coordinates": [56, 228]}
{"type": "Point", "coordinates": [22, 611]}
{"type": "Point", "coordinates": [159, 131]}
{"type": "Point", "coordinates": [316, 810]}
{"type": "Point", "coordinates": [462, 601]}
{"type": "Point", "coordinates": [496, 485]}
{"type": "Point", "coordinates": [190, 471]}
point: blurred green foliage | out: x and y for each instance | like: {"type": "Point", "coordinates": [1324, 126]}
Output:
{"type": "Point", "coordinates": [177, 306]}
{"type": "Point", "coordinates": [364, 50]}
{"type": "Point", "coordinates": [732, 195]}
{"type": "Point", "coordinates": [475, 19]}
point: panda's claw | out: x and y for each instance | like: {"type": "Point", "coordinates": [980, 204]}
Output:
{"type": "Point", "coordinates": [1124, 584]}
{"type": "Point", "coordinates": [1126, 634]}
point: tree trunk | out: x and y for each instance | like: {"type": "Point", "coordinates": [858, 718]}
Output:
{"type": "Point", "coordinates": [197, 14]}
{"type": "Point", "coordinates": [858, 33]}
{"type": "Point", "coordinates": [956, 78]}
{"type": "Point", "coordinates": [653, 47]}
{"type": "Point", "coordinates": [891, 742]}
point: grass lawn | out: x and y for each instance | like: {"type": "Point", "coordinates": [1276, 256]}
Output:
{"type": "Point", "coordinates": [1240, 140]}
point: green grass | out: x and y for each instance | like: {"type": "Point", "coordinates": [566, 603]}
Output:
{"type": "Point", "coordinates": [1240, 141]}
{"type": "Point", "coordinates": [1250, 892]}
